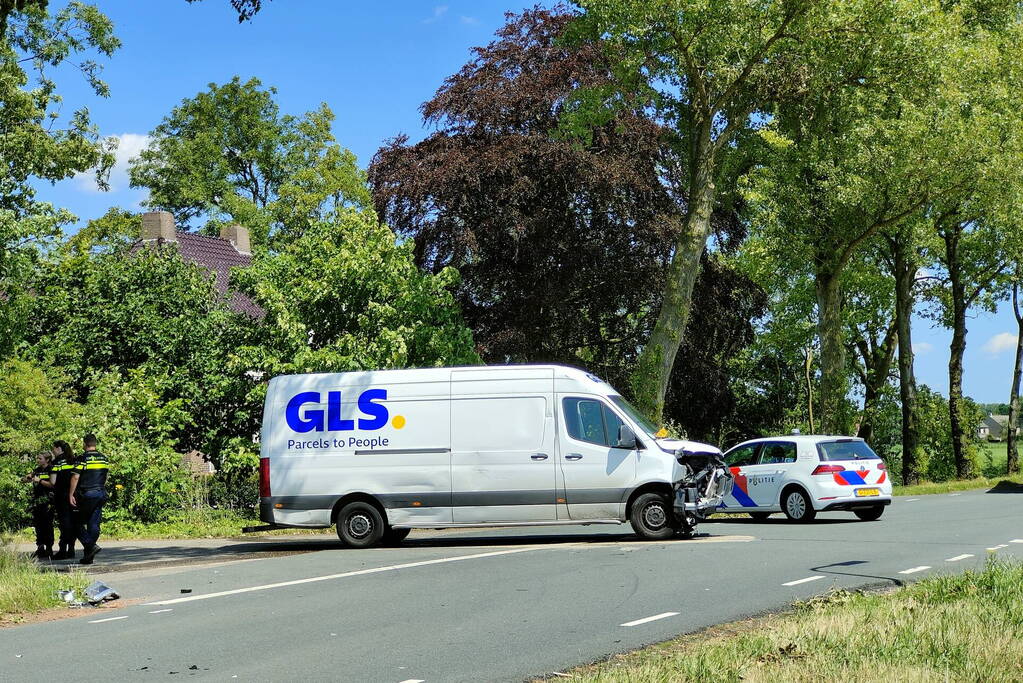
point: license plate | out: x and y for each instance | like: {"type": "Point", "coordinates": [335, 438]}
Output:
{"type": "Point", "coordinates": [868, 492]}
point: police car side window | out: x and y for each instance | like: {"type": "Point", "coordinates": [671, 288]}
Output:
{"type": "Point", "coordinates": [778, 453]}
{"type": "Point", "coordinates": [741, 457]}
{"type": "Point", "coordinates": [584, 420]}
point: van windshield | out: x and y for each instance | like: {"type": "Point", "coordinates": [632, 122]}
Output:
{"type": "Point", "coordinates": [846, 450]}
{"type": "Point", "coordinates": [637, 417]}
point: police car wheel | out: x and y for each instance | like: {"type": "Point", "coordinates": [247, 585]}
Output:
{"type": "Point", "coordinates": [797, 506]}
{"type": "Point", "coordinates": [360, 525]}
{"type": "Point", "coordinates": [652, 517]}
{"type": "Point", "coordinates": [395, 536]}
{"type": "Point", "coordinates": [870, 514]}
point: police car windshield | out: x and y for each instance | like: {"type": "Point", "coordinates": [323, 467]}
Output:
{"type": "Point", "coordinates": [846, 450]}
{"type": "Point", "coordinates": [637, 417]}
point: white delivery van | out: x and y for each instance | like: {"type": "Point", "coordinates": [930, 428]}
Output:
{"type": "Point", "coordinates": [380, 453]}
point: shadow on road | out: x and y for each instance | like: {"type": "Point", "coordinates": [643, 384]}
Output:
{"type": "Point", "coordinates": [782, 521]}
{"type": "Point", "coordinates": [829, 569]}
{"type": "Point", "coordinates": [1006, 486]}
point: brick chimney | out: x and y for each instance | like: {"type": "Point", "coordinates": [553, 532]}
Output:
{"type": "Point", "coordinates": [158, 225]}
{"type": "Point", "coordinates": [237, 235]}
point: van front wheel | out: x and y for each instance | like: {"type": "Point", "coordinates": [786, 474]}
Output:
{"type": "Point", "coordinates": [360, 525]}
{"type": "Point", "coordinates": [651, 517]}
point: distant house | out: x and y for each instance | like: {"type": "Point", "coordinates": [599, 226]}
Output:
{"type": "Point", "coordinates": [994, 428]}
{"type": "Point", "coordinates": [216, 254]}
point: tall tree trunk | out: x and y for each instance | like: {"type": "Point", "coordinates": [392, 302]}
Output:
{"type": "Point", "coordinates": [809, 387]}
{"type": "Point", "coordinates": [1012, 461]}
{"type": "Point", "coordinates": [653, 368]}
{"type": "Point", "coordinates": [905, 277]}
{"type": "Point", "coordinates": [829, 329]}
{"type": "Point", "coordinates": [957, 349]}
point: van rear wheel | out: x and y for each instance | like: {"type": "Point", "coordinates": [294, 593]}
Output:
{"type": "Point", "coordinates": [651, 517]}
{"type": "Point", "coordinates": [360, 525]}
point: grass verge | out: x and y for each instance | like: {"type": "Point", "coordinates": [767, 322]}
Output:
{"type": "Point", "coordinates": [195, 523]}
{"type": "Point", "coordinates": [26, 588]}
{"type": "Point", "coordinates": [965, 627]}
{"type": "Point", "coordinates": [929, 487]}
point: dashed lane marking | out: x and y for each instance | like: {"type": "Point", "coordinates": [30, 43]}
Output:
{"type": "Point", "coordinates": [161, 611]}
{"type": "Point", "coordinates": [646, 620]}
{"type": "Point", "coordinates": [958, 557]}
{"type": "Point", "coordinates": [1016, 540]}
{"type": "Point", "coordinates": [799, 581]}
{"type": "Point", "coordinates": [997, 547]}
{"type": "Point", "coordinates": [100, 621]}
{"type": "Point", "coordinates": [914, 570]}
{"type": "Point", "coordinates": [912, 500]}
{"type": "Point", "coordinates": [414, 680]}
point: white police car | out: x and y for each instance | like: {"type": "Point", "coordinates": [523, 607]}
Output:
{"type": "Point", "coordinates": [802, 475]}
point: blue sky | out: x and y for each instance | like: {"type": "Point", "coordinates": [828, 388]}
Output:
{"type": "Point", "coordinates": [373, 64]}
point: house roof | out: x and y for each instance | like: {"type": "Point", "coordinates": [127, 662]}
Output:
{"type": "Point", "coordinates": [217, 256]}
{"type": "Point", "coordinates": [1002, 420]}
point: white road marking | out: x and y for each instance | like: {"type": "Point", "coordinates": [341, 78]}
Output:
{"type": "Point", "coordinates": [958, 557]}
{"type": "Point", "coordinates": [161, 611]}
{"type": "Point", "coordinates": [912, 500]}
{"type": "Point", "coordinates": [914, 570]}
{"type": "Point", "coordinates": [998, 547]}
{"type": "Point", "coordinates": [100, 621]}
{"type": "Point", "coordinates": [955, 494]}
{"type": "Point", "coordinates": [663, 615]}
{"type": "Point", "coordinates": [414, 680]}
{"type": "Point", "coordinates": [1016, 540]}
{"type": "Point", "coordinates": [360, 572]}
{"type": "Point", "coordinates": [799, 581]}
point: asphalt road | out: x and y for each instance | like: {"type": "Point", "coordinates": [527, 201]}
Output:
{"type": "Point", "coordinates": [485, 605]}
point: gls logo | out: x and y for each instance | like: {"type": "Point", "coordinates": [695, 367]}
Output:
{"type": "Point", "coordinates": [313, 419]}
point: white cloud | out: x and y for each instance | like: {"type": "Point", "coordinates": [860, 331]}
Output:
{"type": "Point", "coordinates": [922, 347]}
{"type": "Point", "coordinates": [129, 145]}
{"type": "Point", "coordinates": [1003, 341]}
{"type": "Point", "coordinates": [438, 12]}
{"type": "Point", "coordinates": [468, 20]}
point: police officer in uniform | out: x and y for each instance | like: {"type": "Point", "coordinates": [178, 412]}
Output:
{"type": "Point", "coordinates": [62, 468]}
{"type": "Point", "coordinates": [42, 505]}
{"type": "Point", "coordinates": [88, 493]}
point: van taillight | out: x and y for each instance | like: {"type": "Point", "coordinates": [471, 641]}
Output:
{"type": "Point", "coordinates": [828, 469]}
{"type": "Point", "coordinates": [264, 477]}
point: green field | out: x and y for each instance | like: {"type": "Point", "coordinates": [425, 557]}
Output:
{"type": "Point", "coordinates": [991, 458]}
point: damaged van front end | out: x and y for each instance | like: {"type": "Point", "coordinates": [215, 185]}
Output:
{"type": "Point", "coordinates": [702, 481]}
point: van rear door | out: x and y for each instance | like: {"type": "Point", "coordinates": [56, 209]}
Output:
{"type": "Point", "coordinates": [502, 445]}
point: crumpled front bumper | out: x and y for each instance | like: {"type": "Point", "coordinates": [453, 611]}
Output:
{"type": "Point", "coordinates": [706, 497]}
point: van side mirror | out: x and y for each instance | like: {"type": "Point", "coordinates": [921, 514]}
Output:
{"type": "Point", "coordinates": [626, 438]}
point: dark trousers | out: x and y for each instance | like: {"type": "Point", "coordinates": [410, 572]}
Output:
{"type": "Point", "coordinates": [65, 520]}
{"type": "Point", "coordinates": [42, 520]}
{"type": "Point", "coordinates": [90, 506]}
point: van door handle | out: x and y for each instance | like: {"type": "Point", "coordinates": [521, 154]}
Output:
{"type": "Point", "coordinates": [539, 456]}
{"type": "Point", "coordinates": [574, 456]}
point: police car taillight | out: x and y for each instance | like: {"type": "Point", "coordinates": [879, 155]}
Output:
{"type": "Point", "coordinates": [881, 466]}
{"type": "Point", "coordinates": [264, 477]}
{"type": "Point", "coordinates": [828, 469]}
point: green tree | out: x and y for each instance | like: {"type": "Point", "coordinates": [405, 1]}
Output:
{"type": "Point", "coordinates": [228, 154]}
{"type": "Point", "coordinates": [716, 70]}
{"type": "Point", "coordinates": [347, 295]}
{"type": "Point", "coordinates": [123, 310]}
{"type": "Point", "coordinates": [37, 141]}
{"type": "Point", "coordinates": [1012, 452]}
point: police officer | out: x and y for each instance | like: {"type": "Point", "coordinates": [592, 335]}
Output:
{"type": "Point", "coordinates": [62, 468]}
{"type": "Point", "coordinates": [88, 493]}
{"type": "Point", "coordinates": [42, 505]}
